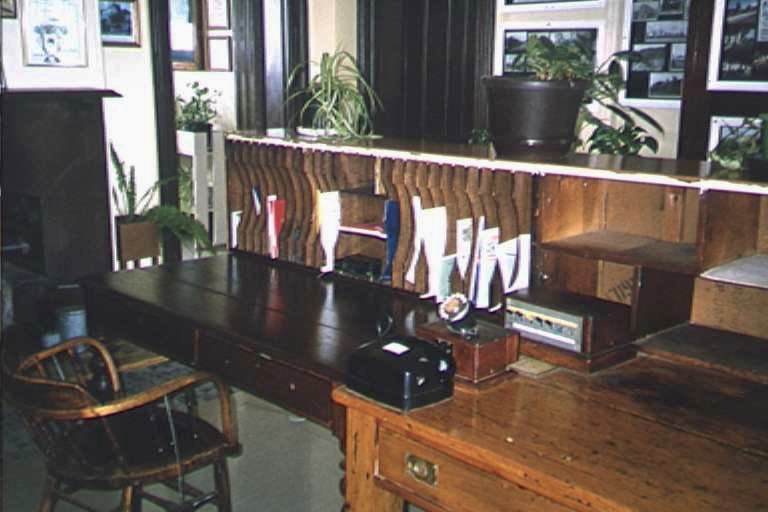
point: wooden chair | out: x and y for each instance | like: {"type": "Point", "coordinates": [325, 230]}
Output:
{"type": "Point", "coordinates": [94, 436]}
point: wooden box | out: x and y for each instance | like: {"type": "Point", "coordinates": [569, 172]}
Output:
{"type": "Point", "coordinates": [486, 356]}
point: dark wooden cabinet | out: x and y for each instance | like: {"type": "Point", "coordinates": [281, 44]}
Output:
{"type": "Point", "coordinates": [54, 182]}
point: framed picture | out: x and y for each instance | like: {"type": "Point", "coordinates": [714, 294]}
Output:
{"type": "Point", "coordinates": [657, 31]}
{"type": "Point", "coordinates": [53, 33]}
{"type": "Point", "coordinates": [120, 22]}
{"type": "Point", "coordinates": [218, 14]}
{"type": "Point", "coordinates": [512, 38]}
{"type": "Point", "coordinates": [220, 53]}
{"type": "Point", "coordinates": [665, 85]}
{"type": "Point", "coordinates": [738, 57]}
{"type": "Point", "coordinates": [8, 8]}
{"type": "Point", "coordinates": [186, 36]}
{"type": "Point", "coordinates": [540, 5]}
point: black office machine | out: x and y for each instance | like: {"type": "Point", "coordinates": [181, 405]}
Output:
{"type": "Point", "coordinates": [404, 372]}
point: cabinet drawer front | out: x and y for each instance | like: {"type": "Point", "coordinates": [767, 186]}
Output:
{"type": "Point", "coordinates": [122, 317]}
{"type": "Point", "coordinates": [302, 392]}
{"type": "Point", "coordinates": [449, 483]}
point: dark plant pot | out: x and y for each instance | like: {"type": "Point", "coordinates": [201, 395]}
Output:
{"type": "Point", "coordinates": [205, 128]}
{"type": "Point", "coordinates": [533, 117]}
{"type": "Point", "coordinates": [756, 168]}
{"type": "Point", "coordinates": [136, 239]}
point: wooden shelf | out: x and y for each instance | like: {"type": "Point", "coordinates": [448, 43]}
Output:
{"type": "Point", "coordinates": [733, 353]}
{"type": "Point", "coordinates": [629, 249]}
{"type": "Point", "coordinates": [750, 271]}
{"type": "Point", "coordinates": [365, 229]}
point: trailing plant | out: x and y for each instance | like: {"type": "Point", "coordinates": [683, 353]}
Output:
{"type": "Point", "coordinates": [740, 143]}
{"type": "Point", "coordinates": [198, 110]}
{"type": "Point", "coordinates": [338, 99]}
{"type": "Point", "coordinates": [185, 227]}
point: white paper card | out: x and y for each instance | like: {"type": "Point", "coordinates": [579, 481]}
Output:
{"type": "Point", "coordinates": [463, 245]}
{"type": "Point", "coordinates": [396, 348]}
{"type": "Point", "coordinates": [434, 224]}
{"type": "Point", "coordinates": [410, 274]}
{"type": "Point", "coordinates": [523, 277]}
{"type": "Point", "coordinates": [234, 224]}
{"type": "Point", "coordinates": [329, 213]}
{"type": "Point", "coordinates": [476, 261]}
{"type": "Point", "coordinates": [487, 242]}
{"type": "Point", "coordinates": [446, 268]}
{"type": "Point", "coordinates": [506, 253]}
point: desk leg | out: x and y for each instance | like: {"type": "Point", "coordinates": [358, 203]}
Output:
{"type": "Point", "coordinates": [362, 494]}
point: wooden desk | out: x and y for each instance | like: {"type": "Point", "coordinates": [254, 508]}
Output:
{"type": "Point", "coordinates": [271, 328]}
{"type": "Point", "coordinates": [648, 435]}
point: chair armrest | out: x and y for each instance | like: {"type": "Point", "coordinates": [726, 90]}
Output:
{"type": "Point", "coordinates": [228, 423]}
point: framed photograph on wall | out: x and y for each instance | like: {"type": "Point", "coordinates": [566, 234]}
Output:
{"type": "Point", "coordinates": [540, 5]}
{"type": "Point", "coordinates": [53, 33]}
{"type": "Point", "coordinates": [8, 8]}
{"type": "Point", "coordinates": [511, 40]}
{"type": "Point", "coordinates": [120, 22]}
{"type": "Point", "coordinates": [218, 14]}
{"type": "Point", "coordinates": [186, 36]}
{"type": "Point", "coordinates": [657, 30]}
{"type": "Point", "coordinates": [738, 57]}
{"type": "Point", "coordinates": [220, 53]}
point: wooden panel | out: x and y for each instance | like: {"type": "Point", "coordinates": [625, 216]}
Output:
{"type": "Point", "coordinates": [731, 307]}
{"type": "Point", "coordinates": [566, 272]}
{"type": "Point", "coordinates": [248, 56]}
{"type": "Point", "coordinates": [290, 387]}
{"type": "Point", "coordinates": [660, 299]}
{"type": "Point", "coordinates": [728, 228]}
{"type": "Point", "coordinates": [762, 229]}
{"type": "Point", "coordinates": [639, 209]}
{"type": "Point", "coordinates": [460, 487]}
{"type": "Point", "coordinates": [569, 206]}
{"type": "Point", "coordinates": [615, 282]}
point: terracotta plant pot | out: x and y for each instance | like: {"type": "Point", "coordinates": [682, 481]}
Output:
{"type": "Point", "coordinates": [533, 117]}
{"type": "Point", "coordinates": [136, 240]}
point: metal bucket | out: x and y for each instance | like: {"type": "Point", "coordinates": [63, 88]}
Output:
{"type": "Point", "coordinates": [70, 322]}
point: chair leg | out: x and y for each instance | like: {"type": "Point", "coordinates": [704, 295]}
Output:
{"type": "Point", "coordinates": [49, 498]}
{"type": "Point", "coordinates": [221, 477]}
{"type": "Point", "coordinates": [130, 501]}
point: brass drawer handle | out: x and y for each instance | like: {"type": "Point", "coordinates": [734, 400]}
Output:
{"type": "Point", "coordinates": [421, 470]}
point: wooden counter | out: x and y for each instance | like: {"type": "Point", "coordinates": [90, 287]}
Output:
{"type": "Point", "coordinates": [646, 436]}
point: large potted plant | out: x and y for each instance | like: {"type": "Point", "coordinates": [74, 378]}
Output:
{"type": "Point", "coordinates": [537, 115]}
{"type": "Point", "coordinates": [337, 102]}
{"type": "Point", "coordinates": [138, 225]}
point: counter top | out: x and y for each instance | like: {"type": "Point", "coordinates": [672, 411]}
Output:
{"type": "Point", "coordinates": [659, 171]}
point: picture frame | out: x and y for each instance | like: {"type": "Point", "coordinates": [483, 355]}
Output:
{"type": "Point", "coordinates": [219, 14]}
{"type": "Point", "coordinates": [120, 22]}
{"type": "Point", "coordinates": [665, 50]}
{"type": "Point", "coordinates": [665, 85]}
{"type": "Point", "coordinates": [738, 56]}
{"type": "Point", "coordinates": [187, 52]}
{"type": "Point", "coordinates": [53, 33]}
{"type": "Point", "coordinates": [8, 9]}
{"type": "Point", "coordinates": [502, 59]}
{"type": "Point", "coordinates": [544, 5]}
{"type": "Point", "coordinates": [220, 53]}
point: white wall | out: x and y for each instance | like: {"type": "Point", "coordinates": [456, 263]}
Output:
{"type": "Point", "coordinates": [20, 76]}
{"type": "Point", "coordinates": [332, 26]}
{"type": "Point", "coordinates": [610, 15]}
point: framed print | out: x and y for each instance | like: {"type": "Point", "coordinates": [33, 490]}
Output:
{"type": "Point", "coordinates": [186, 40]}
{"type": "Point", "coordinates": [218, 14]}
{"type": "Point", "coordinates": [53, 33]}
{"type": "Point", "coordinates": [220, 53]}
{"type": "Point", "coordinates": [540, 5]}
{"type": "Point", "coordinates": [657, 31]}
{"type": "Point", "coordinates": [512, 38]}
{"type": "Point", "coordinates": [738, 56]}
{"type": "Point", "coordinates": [8, 8]}
{"type": "Point", "coordinates": [120, 22]}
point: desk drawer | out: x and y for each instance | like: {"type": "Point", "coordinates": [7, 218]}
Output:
{"type": "Point", "coordinates": [306, 394]}
{"type": "Point", "coordinates": [155, 330]}
{"type": "Point", "coordinates": [456, 486]}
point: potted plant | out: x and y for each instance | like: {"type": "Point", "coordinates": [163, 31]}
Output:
{"type": "Point", "coordinates": [138, 225]}
{"type": "Point", "coordinates": [743, 151]}
{"type": "Point", "coordinates": [537, 115]}
{"type": "Point", "coordinates": [337, 102]}
{"type": "Point", "coordinates": [194, 114]}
